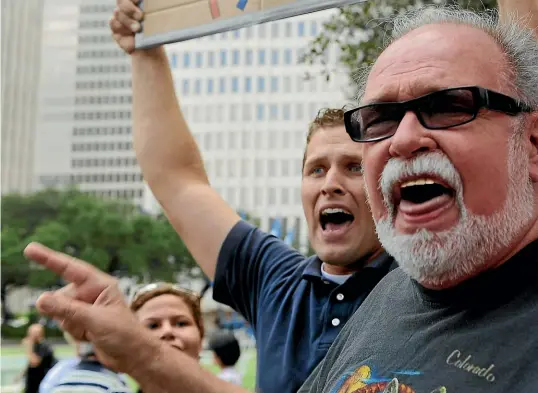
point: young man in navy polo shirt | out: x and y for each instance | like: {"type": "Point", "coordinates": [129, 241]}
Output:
{"type": "Point", "coordinates": [296, 305]}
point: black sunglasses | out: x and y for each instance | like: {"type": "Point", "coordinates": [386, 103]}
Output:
{"type": "Point", "coordinates": [435, 111]}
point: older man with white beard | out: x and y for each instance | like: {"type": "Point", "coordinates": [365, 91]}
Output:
{"type": "Point", "coordinates": [449, 122]}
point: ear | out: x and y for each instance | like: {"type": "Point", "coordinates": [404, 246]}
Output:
{"type": "Point", "coordinates": [533, 153]}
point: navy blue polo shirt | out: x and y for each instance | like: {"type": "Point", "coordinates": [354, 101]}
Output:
{"type": "Point", "coordinates": [295, 313]}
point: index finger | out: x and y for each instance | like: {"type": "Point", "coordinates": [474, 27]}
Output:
{"type": "Point", "coordinates": [71, 269]}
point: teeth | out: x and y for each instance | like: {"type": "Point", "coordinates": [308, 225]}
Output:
{"type": "Point", "coordinates": [417, 182]}
{"type": "Point", "coordinates": [332, 210]}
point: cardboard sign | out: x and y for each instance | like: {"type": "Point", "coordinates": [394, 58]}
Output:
{"type": "Point", "coordinates": [167, 21]}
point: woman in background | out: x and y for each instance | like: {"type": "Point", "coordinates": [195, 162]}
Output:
{"type": "Point", "coordinates": [173, 314]}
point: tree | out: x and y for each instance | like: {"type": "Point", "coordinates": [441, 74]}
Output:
{"type": "Point", "coordinates": [114, 236]}
{"type": "Point", "coordinates": [359, 31]}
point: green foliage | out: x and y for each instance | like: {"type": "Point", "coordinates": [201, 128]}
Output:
{"type": "Point", "coordinates": [360, 30]}
{"type": "Point", "coordinates": [19, 332]}
{"type": "Point", "coordinates": [112, 235]}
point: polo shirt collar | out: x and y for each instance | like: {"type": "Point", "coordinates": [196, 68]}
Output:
{"type": "Point", "coordinates": [313, 268]}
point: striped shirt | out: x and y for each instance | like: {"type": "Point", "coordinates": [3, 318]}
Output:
{"type": "Point", "coordinates": [90, 377]}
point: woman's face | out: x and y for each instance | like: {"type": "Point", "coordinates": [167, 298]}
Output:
{"type": "Point", "coordinates": [171, 320]}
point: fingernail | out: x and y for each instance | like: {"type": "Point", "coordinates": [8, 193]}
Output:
{"type": "Point", "coordinates": [135, 26]}
{"type": "Point", "coordinates": [45, 302]}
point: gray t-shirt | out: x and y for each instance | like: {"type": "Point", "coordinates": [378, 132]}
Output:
{"type": "Point", "coordinates": [480, 336]}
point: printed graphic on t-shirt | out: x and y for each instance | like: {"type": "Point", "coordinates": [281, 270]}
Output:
{"type": "Point", "coordinates": [364, 379]}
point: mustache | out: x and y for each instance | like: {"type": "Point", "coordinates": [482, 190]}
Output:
{"type": "Point", "coordinates": [434, 164]}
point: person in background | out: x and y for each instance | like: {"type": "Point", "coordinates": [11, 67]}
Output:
{"type": "Point", "coordinates": [60, 368]}
{"type": "Point", "coordinates": [226, 352]}
{"type": "Point", "coordinates": [172, 314]}
{"type": "Point", "coordinates": [40, 357]}
{"type": "Point", "coordinates": [87, 375]}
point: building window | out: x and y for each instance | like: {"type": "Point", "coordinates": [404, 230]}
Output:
{"type": "Point", "coordinates": [300, 29]}
{"type": "Point", "coordinates": [231, 168]}
{"type": "Point", "coordinates": [271, 196]}
{"type": "Point", "coordinates": [207, 141]}
{"type": "Point", "coordinates": [287, 84]}
{"type": "Point", "coordinates": [258, 168]}
{"type": "Point", "coordinates": [186, 86]}
{"type": "Point", "coordinates": [288, 29]}
{"type": "Point", "coordinates": [235, 84]}
{"type": "Point", "coordinates": [274, 57]}
{"type": "Point", "coordinates": [261, 84]}
{"type": "Point", "coordinates": [210, 86]}
{"type": "Point", "coordinates": [285, 168]}
{"type": "Point", "coordinates": [286, 112]}
{"type": "Point", "coordinates": [222, 85]}
{"type": "Point", "coordinates": [236, 34]}
{"type": "Point", "coordinates": [271, 168]}
{"type": "Point", "coordinates": [287, 56]}
{"type": "Point", "coordinates": [219, 144]}
{"type": "Point", "coordinates": [299, 139]}
{"type": "Point", "coordinates": [231, 140]}
{"type": "Point", "coordinates": [211, 59]}
{"type": "Point", "coordinates": [223, 58]}
{"type": "Point", "coordinates": [245, 140]}
{"type": "Point", "coordinates": [243, 197]}
{"type": "Point", "coordinates": [230, 192]}
{"type": "Point", "coordinates": [314, 28]}
{"type": "Point", "coordinates": [300, 83]}
{"type": "Point", "coordinates": [235, 57]}
{"type": "Point", "coordinates": [218, 168]}
{"type": "Point", "coordinates": [299, 112]}
{"type": "Point", "coordinates": [186, 60]}
{"type": "Point", "coordinates": [197, 86]}
{"type": "Point", "coordinates": [284, 196]}
{"type": "Point", "coordinates": [273, 112]}
{"type": "Point", "coordinates": [247, 115]}
{"type": "Point", "coordinates": [273, 139]}
{"type": "Point", "coordinates": [261, 57]}
{"type": "Point", "coordinates": [199, 62]}
{"type": "Point", "coordinates": [260, 112]}
{"type": "Point", "coordinates": [173, 61]}
{"type": "Point", "coordinates": [261, 31]}
{"type": "Point", "coordinates": [248, 56]}
{"type": "Point", "coordinates": [233, 112]}
{"type": "Point", "coordinates": [245, 168]}
{"type": "Point", "coordinates": [274, 30]}
{"type": "Point", "coordinates": [248, 84]}
{"type": "Point", "coordinates": [274, 84]}
{"type": "Point", "coordinates": [258, 196]}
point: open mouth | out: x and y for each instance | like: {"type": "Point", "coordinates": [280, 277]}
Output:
{"type": "Point", "coordinates": [423, 198]}
{"type": "Point", "coordinates": [423, 190]}
{"type": "Point", "coordinates": [332, 219]}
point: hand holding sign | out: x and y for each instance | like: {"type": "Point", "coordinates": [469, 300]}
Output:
{"type": "Point", "coordinates": [91, 308]}
{"type": "Point", "coordinates": [125, 22]}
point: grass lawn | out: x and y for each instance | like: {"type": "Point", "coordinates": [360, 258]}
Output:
{"type": "Point", "coordinates": [14, 355]}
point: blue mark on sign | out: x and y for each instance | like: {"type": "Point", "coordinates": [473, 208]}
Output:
{"type": "Point", "coordinates": [241, 4]}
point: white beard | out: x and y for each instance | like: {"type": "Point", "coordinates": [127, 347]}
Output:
{"type": "Point", "coordinates": [438, 258]}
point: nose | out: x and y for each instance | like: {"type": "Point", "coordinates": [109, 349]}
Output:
{"type": "Point", "coordinates": [411, 138]}
{"type": "Point", "coordinates": [167, 332]}
{"type": "Point", "coordinates": [333, 183]}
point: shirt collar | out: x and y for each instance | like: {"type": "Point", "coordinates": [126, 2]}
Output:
{"type": "Point", "coordinates": [312, 270]}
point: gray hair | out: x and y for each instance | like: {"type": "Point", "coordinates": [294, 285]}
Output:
{"type": "Point", "coordinates": [518, 43]}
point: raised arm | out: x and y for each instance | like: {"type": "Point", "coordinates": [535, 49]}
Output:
{"type": "Point", "coordinates": [527, 10]}
{"type": "Point", "coordinates": [166, 150]}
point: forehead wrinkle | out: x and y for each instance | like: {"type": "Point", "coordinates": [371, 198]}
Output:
{"type": "Point", "coordinates": [442, 55]}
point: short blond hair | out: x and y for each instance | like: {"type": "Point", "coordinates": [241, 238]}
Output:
{"type": "Point", "coordinates": [326, 118]}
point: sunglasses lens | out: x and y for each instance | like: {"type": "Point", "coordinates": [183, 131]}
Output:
{"type": "Point", "coordinates": [448, 108]}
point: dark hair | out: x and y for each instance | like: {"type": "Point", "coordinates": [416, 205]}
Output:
{"type": "Point", "coordinates": [226, 347]}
